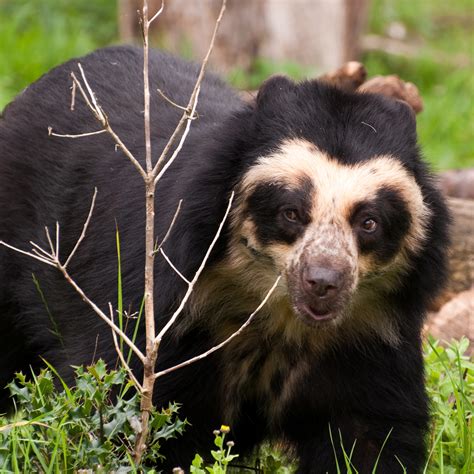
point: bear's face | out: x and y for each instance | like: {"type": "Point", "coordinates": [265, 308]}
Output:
{"type": "Point", "coordinates": [334, 231]}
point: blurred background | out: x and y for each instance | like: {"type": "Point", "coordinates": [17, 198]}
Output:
{"type": "Point", "coordinates": [427, 42]}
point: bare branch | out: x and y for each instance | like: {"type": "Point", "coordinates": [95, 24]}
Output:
{"type": "Point", "coordinates": [194, 94]}
{"type": "Point", "coordinates": [120, 354]}
{"type": "Point", "coordinates": [54, 262]}
{"type": "Point", "coordinates": [79, 135]}
{"type": "Point", "coordinates": [102, 118]}
{"type": "Point", "coordinates": [48, 261]}
{"type": "Point", "coordinates": [172, 102]}
{"type": "Point", "coordinates": [170, 263]}
{"type": "Point", "coordinates": [188, 120]}
{"type": "Point", "coordinates": [100, 313]}
{"type": "Point", "coordinates": [170, 228]}
{"type": "Point", "coordinates": [157, 14]}
{"type": "Point", "coordinates": [40, 251]}
{"type": "Point", "coordinates": [178, 311]}
{"type": "Point", "coordinates": [57, 240]}
{"type": "Point", "coordinates": [146, 88]}
{"type": "Point", "coordinates": [78, 84]}
{"type": "Point", "coordinates": [50, 242]}
{"type": "Point", "coordinates": [73, 96]}
{"type": "Point", "coordinates": [84, 229]}
{"type": "Point", "coordinates": [97, 107]}
{"type": "Point", "coordinates": [226, 341]}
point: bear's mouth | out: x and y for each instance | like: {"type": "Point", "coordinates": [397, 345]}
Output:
{"type": "Point", "coordinates": [312, 315]}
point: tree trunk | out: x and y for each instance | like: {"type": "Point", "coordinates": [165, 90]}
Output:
{"type": "Point", "coordinates": [321, 34]}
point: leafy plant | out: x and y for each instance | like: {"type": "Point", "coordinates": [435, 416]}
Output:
{"type": "Point", "coordinates": [62, 429]}
{"type": "Point", "coordinates": [222, 455]}
{"type": "Point", "coordinates": [450, 384]}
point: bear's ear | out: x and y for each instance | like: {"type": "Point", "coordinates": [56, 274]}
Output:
{"type": "Point", "coordinates": [273, 88]}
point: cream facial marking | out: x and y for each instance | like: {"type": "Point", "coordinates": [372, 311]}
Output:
{"type": "Point", "coordinates": [338, 186]}
{"type": "Point", "coordinates": [325, 262]}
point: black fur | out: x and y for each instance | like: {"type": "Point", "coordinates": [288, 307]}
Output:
{"type": "Point", "coordinates": [393, 222]}
{"type": "Point", "coordinates": [266, 206]}
{"type": "Point", "coordinates": [362, 390]}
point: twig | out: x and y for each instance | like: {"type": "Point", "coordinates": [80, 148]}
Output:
{"type": "Point", "coordinates": [226, 341]}
{"type": "Point", "coordinates": [29, 254]}
{"type": "Point", "coordinates": [194, 94]}
{"type": "Point", "coordinates": [120, 354]}
{"type": "Point", "coordinates": [97, 107]}
{"type": "Point", "coordinates": [51, 246]}
{"type": "Point", "coordinates": [181, 142]}
{"type": "Point", "coordinates": [174, 104]}
{"type": "Point", "coordinates": [157, 14]}
{"type": "Point", "coordinates": [57, 239]}
{"type": "Point", "coordinates": [170, 227]}
{"type": "Point", "coordinates": [84, 229]}
{"type": "Point", "coordinates": [102, 118]}
{"type": "Point", "coordinates": [79, 135]}
{"type": "Point", "coordinates": [73, 96]}
{"type": "Point", "coordinates": [39, 250]}
{"type": "Point", "coordinates": [146, 88]}
{"type": "Point", "coordinates": [170, 263]}
{"type": "Point", "coordinates": [178, 311]}
{"type": "Point", "coordinates": [100, 313]}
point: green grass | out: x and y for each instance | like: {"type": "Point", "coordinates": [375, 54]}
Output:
{"type": "Point", "coordinates": [60, 429]}
{"type": "Point", "coordinates": [442, 68]}
{"type": "Point", "coordinates": [39, 34]}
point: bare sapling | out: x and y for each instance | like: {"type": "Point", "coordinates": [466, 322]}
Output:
{"type": "Point", "coordinates": [151, 174]}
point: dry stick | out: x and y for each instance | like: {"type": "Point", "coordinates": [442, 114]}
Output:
{"type": "Point", "coordinates": [157, 14]}
{"type": "Point", "coordinates": [52, 260]}
{"type": "Point", "coordinates": [57, 239]}
{"type": "Point", "coordinates": [79, 135]}
{"type": "Point", "coordinates": [226, 341]}
{"type": "Point", "coordinates": [84, 229]}
{"type": "Point", "coordinates": [39, 251]}
{"type": "Point", "coordinates": [186, 115]}
{"type": "Point", "coordinates": [29, 254]}
{"type": "Point", "coordinates": [102, 118]}
{"type": "Point", "coordinates": [171, 264]}
{"type": "Point", "coordinates": [146, 88]}
{"type": "Point", "coordinates": [174, 104]}
{"type": "Point", "coordinates": [146, 402]}
{"type": "Point", "coordinates": [101, 115]}
{"type": "Point", "coordinates": [152, 343]}
{"type": "Point", "coordinates": [120, 354]}
{"type": "Point", "coordinates": [170, 228]}
{"type": "Point", "coordinates": [196, 276]}
{"type": "Point", "coordinates": [181, 142]}
{"type": "Point", "coordinates": [51, 246]}
{"type": "Point", "coordinates": [100, 313]}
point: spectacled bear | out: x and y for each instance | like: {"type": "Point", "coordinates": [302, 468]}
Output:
{"type": "Point", "coordinates": [331, 194]}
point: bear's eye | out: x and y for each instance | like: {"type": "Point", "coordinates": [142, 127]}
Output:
{"type": "Point", "coordinates": [291, 215]}
{"type": "Point", "coordinates": [369, 225]}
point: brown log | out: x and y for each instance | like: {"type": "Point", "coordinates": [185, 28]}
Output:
{"type": "Point", "coordinates": [462, 248]}
{"type": "Point", "coordinates": [454, 320]}
{"type": "Point", "coordinates": [393, 86]}
{"type": "Point", "coordinates": [458, 183]}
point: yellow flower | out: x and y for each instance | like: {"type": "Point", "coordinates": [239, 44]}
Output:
{"type": "Point", "coordinates": [225, 429]}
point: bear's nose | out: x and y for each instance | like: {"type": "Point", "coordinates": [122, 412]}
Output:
{"type": "Point", "coordinates": [322, 282]}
